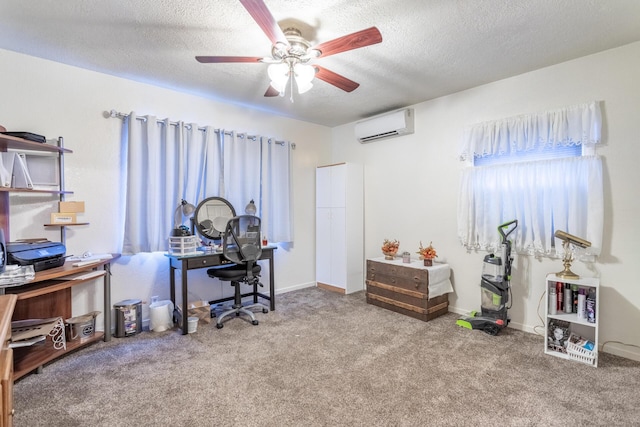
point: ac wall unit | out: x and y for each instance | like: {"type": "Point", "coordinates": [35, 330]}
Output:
{"type": "Point", "coordinates": [385, 126]}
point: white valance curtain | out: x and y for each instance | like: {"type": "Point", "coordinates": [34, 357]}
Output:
{"type": "Point", "coordinates": [170, 161]}
{"type": "Point", "coordinates": [560, 194]}
{"type": "Point", "coordinates": [544, 196]}
{"type": "Point", "coordinates": [575, 125]}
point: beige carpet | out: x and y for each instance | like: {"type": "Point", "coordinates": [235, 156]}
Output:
{"type": "Point", "coordinates": [323, 359]}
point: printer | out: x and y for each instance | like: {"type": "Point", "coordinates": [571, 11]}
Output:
{"type": "Point", "coordinates": [41, 254]}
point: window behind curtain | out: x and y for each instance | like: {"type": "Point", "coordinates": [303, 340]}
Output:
{"type": "Point", "coordinates": [532, 168]}
{"type": "Point", "coordinates": [170, 161]}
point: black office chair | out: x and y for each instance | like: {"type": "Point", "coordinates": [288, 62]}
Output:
{"type": "Point", "coordinates": [241, 245]}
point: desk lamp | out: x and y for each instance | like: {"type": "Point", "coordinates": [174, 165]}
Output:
{"type": "Point", "coordinates": [251, 209]}
{"type": "Point", "coordinates": [568, 255]}
{"type": "Point", "coordinates": [184, 209]}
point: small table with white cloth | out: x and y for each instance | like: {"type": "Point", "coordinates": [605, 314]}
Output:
{"type": "Point", "coordinates": [409, 288]}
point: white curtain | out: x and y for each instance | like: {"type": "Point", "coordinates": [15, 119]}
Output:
{"type": "Point", "coordinates": [211, 177]}
{"type": "Point", "coordinates": [166, 162]}
{"type": "Point", "coordinates": [156, 181]}
{"type": "Point", "coordinates": [277, 221]}
{"type": "Point", "coordinates": [242, 171]}
{"type": "Point", "coordinates": [578, 124]}
{"type": "Point", "coordinates": [544, 196]}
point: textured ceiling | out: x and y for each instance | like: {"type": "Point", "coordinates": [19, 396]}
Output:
{"type": "Point", "coordinates": [430, 48]}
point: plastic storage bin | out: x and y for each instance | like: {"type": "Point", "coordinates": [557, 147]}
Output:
{"type": "Point", "coordinates": [576, 351]}
{"type": "Point", "coordinates": [128, 317]}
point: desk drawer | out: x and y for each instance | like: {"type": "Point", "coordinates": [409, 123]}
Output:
{"type": "Point", "coordinates": [206, 262]}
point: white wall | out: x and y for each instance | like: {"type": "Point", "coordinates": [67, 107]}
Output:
{"type": "Point", "coordinates": [53, 99]}
{"type": "Point", "coordinates": [412, 185]}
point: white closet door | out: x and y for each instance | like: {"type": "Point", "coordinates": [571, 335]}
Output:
{"type": "Point", "coordinates": [338, 186]}
{"type": "Point", "coordinates": [338, 247]}
{"type": "Point", "coordinates": [323, 245]}
{"type": "Point", "coordinates": [323, 187]}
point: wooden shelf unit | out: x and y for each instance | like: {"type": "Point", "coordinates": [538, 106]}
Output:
{"type": "Point", "coordinates": [49, 295]}
{"type": "Point", "coordinates": [7, 304]}
{"type": "Point", "coordinates": [73, 224]}
{"type": "Point", "coordinates": [14, 143]}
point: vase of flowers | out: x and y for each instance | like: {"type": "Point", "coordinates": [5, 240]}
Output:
{"type": "Point", "coordinates": [390, 248]}
{"type": "Point", "coordinates": [427, 254]}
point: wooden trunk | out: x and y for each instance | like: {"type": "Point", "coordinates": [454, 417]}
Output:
{"type": "Point", "coordinates": [403, 289]}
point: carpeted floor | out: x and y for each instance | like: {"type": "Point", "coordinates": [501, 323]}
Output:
{"type": "Point", "coordinates": [323, 359]}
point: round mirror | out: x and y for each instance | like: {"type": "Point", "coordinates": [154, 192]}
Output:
{"type": "Point", "coordinates": [211, 214]}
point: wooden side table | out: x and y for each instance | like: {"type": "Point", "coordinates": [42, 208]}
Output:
{"type": "Point", "coordinates": [409, 288]}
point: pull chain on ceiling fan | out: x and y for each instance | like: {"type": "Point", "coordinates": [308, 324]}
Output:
{"type": "Point", "coordinates": [291, 54]}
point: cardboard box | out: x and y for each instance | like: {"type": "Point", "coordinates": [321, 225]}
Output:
{"type": "Point", "coordinates": [71, 207]}
{"type": "Point", "coordinates": [199, 309]}
{"type": "Point", "coordinates": [63, 218]}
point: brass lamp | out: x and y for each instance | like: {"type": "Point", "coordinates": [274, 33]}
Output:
{"type": "Point", "coordinates": [568, 255]}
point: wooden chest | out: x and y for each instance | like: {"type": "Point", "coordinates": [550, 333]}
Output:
{"type": "Point", "coordinates": [404, 288]}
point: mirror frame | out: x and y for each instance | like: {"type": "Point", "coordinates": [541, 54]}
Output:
{"type": "Point", "coordinates": [202, 206]}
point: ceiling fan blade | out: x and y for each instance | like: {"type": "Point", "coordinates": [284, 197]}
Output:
{"type": "Point", "coordinates": [271, 91]}
{"type": "Point", "coordinates": [335, 79]}
{"type": "Point", "coordinates": [259, 12]}
{"type": "Point", "coordinates": [349, 42]}
{"type": "Point", "coordinates": [221, 59]}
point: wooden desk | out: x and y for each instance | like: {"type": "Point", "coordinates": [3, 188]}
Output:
{"type": "Point", "coordinates": [49, 295]}
{"type": "Point", "coordinates": [7, 304]}
{"type": "Point", "coordinates": [214, 259]}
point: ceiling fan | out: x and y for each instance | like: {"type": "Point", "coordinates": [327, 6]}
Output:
{"type": "Point", "coordinates": [291, 54]}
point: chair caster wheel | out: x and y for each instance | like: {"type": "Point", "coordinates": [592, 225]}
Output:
{"type": "Point", "coordinates": [265, 311]}
{"type": "Point", "coordinates": [219, 325]}
{"type": "Point", "coordinates": [254, 322]}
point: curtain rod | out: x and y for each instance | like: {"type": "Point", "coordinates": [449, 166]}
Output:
{"type": "Point", "coordinates": [113, 114]}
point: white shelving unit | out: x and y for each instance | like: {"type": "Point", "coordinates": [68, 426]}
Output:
{"type": "Point", "coordinates": [576, 326]}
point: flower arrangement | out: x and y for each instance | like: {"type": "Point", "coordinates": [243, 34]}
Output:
{"type": "Point", "coordinates": [390, 247]}
{"type": "Point", "coordinates": [427, 253]}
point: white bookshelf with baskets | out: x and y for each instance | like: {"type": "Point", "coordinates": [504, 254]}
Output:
{"type": "Point", "coordinates": [569, 335]}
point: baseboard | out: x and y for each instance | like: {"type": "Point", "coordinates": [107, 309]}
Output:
{"type": "Point", "coordinates": [331, 288]}
{"type": "Point", "coordinates": [295, 287]}
{"type": "Point", "coordinates": [618, 349]}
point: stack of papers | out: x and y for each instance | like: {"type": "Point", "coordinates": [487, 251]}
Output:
{"type": "Point", "coordinates": [80, 261]}
{"type": "Point", "coordinates": [16, 275]}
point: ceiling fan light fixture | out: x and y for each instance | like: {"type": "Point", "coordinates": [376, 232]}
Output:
{"type": "Point", "coordinates": [279, 75]}
{"type": "Point", "coordinates": [304, 74]}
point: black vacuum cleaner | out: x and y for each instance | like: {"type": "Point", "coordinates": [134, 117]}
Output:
{"type": "Point", "coordinates": [495, 288]}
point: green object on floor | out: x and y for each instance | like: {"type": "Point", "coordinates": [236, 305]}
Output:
{"type": "Point", "coordinates": [464, 323]}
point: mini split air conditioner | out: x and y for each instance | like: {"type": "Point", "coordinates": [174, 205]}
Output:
{"type": "Point", "coordinates": [385, 126]}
